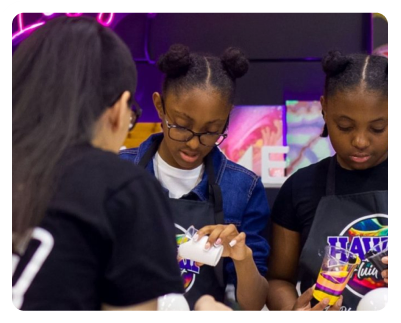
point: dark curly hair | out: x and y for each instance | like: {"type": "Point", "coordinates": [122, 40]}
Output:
{"type": "Point", "coordinates": [347, 72]}
{"type": "Point", "coordinates": [185, 70]}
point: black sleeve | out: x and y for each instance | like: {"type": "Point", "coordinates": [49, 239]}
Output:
{"type": "Point", "coordinates": [283, 211]}
{"type": "Point", "coordinates": [144, 263]}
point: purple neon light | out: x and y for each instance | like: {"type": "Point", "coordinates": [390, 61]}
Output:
{"type": "Point", "coordinates": [21, 28]}
{"type": "Point", "coordinates": [73, 14]}
{"type": "Point", "coordinates": [107, 23]}
{"type": "Point", "coordinates": [48, 14]}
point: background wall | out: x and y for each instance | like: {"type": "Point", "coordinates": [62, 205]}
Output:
{"type": "Point", "coordinates": [284, 49]}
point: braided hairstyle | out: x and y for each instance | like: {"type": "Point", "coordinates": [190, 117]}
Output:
{"type": "Point", "coordinates": [347, 72]}
{"type": "Point", "coordinates": [185, 70]}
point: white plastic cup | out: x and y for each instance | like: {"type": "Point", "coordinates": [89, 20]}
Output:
{"type": "Point", "coordinates": [195, 251]}
{"type": "Point", "coordinates": [172, 302]}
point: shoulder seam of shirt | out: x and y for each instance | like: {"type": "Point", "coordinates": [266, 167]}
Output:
{"type": "Point", "coordinates": [250, 191]}
{"type": "Point", "coordinates": [241, 169]}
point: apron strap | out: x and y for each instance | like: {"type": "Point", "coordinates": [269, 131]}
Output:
{"type": "Point", "coordinates": [150, 152]}
{"type": "Point", "coordinates": [216, 198]}
{"type": "Point", "coordinates": [215, 195]}
{"type": "Point", "coordinates": [331, 177]}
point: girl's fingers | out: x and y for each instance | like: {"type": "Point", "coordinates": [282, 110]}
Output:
{"type": "Point", "coordinates": [384, 274]}
{"type": "Point", "coordinates": [238, 240]}
{"type": "Point", "coordinates": [203, 231]}
{"type": "Point", "coordinates": [215, 234]}
{"type": "Point", "coordinates": [229, 234]}
{"type": "Point", "coordinates": [337, 305]}
{"type": "Point", "coordinates": [303, 301]}
{"type": "Point", "coordinates": [229, 230]}
{"type": "Point", "coordinates": [218, 234]}
{"type": "Point", "coordinates": [321, 305]}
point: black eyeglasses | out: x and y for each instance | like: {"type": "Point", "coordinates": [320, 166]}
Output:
{"type": "Point", "coordinates": [136, 113]}
{"type": "Point", "coordinates": [181, 134]}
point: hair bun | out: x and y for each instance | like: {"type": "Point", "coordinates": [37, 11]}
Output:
{"type": "Point", "coordinates": [334, 62]}
{"type": "Point", "coordinates": [235, 62]}
{"type": "Point", "coordinates": [176, 61]}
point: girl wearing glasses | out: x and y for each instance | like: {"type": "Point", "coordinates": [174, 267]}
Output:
{"type": "Point", "coordinates": [221, 198]}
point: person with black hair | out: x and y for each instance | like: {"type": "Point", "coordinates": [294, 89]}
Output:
{"type": "Point", "coordinates": [222, 199]}
{"type": "Point", "coordinates": [341, 200]}
{"type": "Point", "coordinates": [82, 221]}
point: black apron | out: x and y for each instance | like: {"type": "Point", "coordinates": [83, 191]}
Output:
{"type": "Point", "coordinates": [355, 222]}
{"type": "Point", "coordinates": [202, 280]}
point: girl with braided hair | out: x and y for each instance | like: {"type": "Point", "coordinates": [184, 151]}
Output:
{"type": "Point", "coordinates": [224, 200]}
{"type": "Point", "coordinates": [341, 200]}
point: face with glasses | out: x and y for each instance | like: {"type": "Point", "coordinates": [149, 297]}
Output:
{"type": "Point", "coordinates": [193, 123]}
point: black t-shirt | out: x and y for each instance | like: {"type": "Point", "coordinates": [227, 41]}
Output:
{"type": "Point", "coordinates": [298, 198]}
{"type": "Point", "coordinates": [108, 237]}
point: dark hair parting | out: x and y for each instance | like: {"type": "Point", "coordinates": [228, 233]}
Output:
{"type": "Point", "coordinates": [346, 72]}
{"type": "Point", "coordinates": [185, 70]}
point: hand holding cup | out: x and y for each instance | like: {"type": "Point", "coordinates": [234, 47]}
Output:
{"type": "Point", "coordinates": [198, 250]}
{"type": "Point", "coordinates": [376, 254]}
{"type": "Point", "coordinates": [228, 237]}
{"type": "Point", "coordinates": [337, 268]}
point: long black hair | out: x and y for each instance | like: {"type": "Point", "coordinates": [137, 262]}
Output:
{"type": "Point", "coordinates": [65, 74]}
{"type": "Point", "coordinates": [185, 70]}
{"type": "Point", "coordinates": [347, 72]}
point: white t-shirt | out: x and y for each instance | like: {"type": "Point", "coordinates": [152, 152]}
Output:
{"type": "Point", "coordinates": [178, 181]}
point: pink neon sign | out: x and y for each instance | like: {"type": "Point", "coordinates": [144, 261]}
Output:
{"type": "Point", "coordinates": [22, 29]}
{"type": "Point", "coordinates": [105, 22]}
{"type": "Point", "coordinates": [73, 14]}
{"type": "Point", "coordinates": [102, 18]}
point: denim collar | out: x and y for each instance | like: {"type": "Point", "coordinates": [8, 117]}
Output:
{"type": "Point", "coordinates": [201, 190]}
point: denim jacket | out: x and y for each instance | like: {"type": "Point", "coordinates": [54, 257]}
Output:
{"type": "Point", "coordinates": [244, 200]}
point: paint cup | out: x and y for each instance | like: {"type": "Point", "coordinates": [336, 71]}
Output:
{"type": "Point", "coordinates": [375, 255]}
{"type": "Point", "coordinates": [195, 250]}
{"type": "Point", "coordinates": [337, 268]}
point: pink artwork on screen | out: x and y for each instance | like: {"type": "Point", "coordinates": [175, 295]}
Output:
{"type": "Point", "coordinates": [381, 50]}
{"type": "Point", "coordinates": [304, 126]}
{"type": "Point", "coordinates": [252, 127]}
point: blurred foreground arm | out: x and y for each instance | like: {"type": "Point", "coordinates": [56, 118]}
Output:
{"type": "Point", "coordinates": [145, 306]}
{"type": "Point", "coordinates": [208, 303]}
